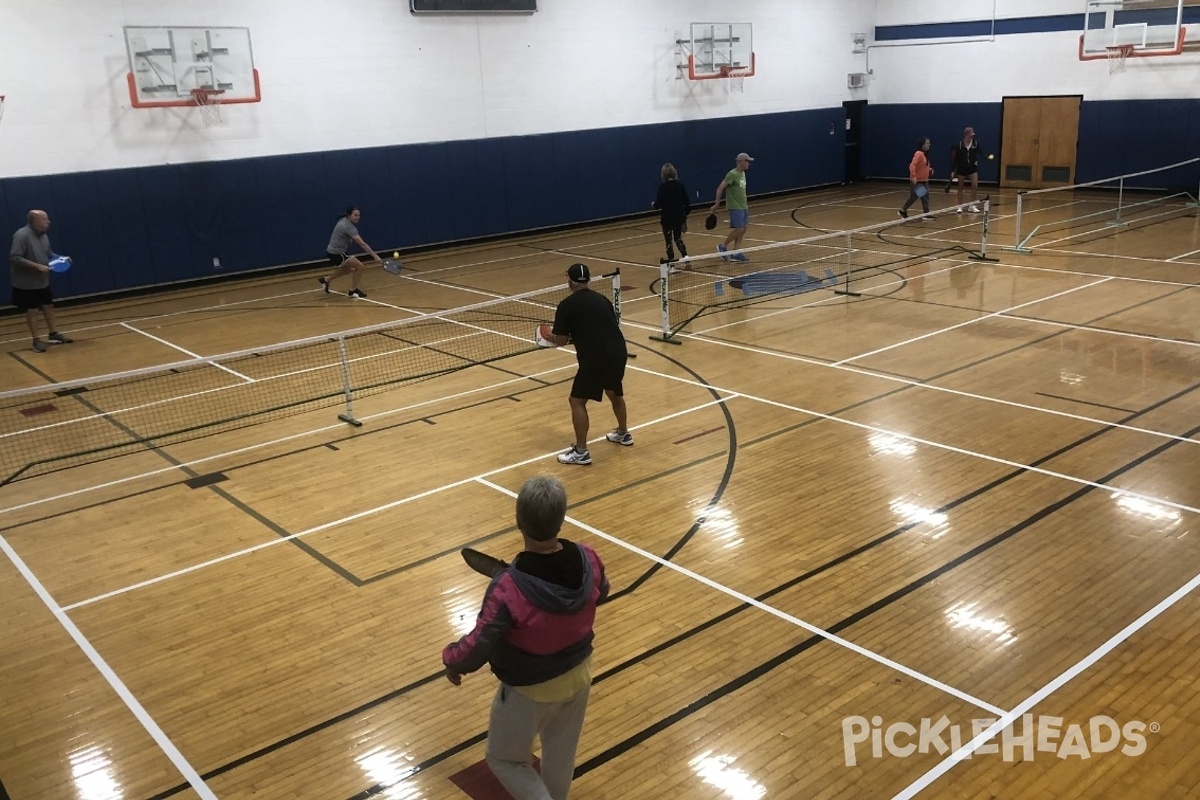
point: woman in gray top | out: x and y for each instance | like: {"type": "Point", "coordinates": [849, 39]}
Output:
{"type": "Point", "coordinates": [345, 232]}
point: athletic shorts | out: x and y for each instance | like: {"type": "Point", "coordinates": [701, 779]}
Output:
{"type": "Point", "coordinates": [967, 172]}
{"type": "Point", "coordinates": [337, 259]}
{"type": "Point", "coordinates": [31, 299]}
{"type": "Point", "coordinates": [592, 380]}
{"type": "Point", "coordinates": [739, 217]}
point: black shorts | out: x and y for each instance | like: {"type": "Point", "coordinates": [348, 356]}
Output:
{"type": "Point", "coordinates": [592, 380]}
{"type": "Point", "coordinates": [337, 259]}
{"type": "Point", "coordinates": [967, 171]}
{"type": "Point", "coordinates": [30, 299]}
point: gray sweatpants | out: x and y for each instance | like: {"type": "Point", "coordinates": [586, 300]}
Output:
{"type": "Point", "coordinates": [515, 721]}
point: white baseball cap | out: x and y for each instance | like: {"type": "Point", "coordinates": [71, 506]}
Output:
{"type": "Point", "coordinates": [743, 157]}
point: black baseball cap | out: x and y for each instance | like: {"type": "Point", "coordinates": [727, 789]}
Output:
{"type": "Point", "coordinates": [579, 273]}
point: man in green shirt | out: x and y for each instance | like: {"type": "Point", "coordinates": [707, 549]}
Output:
{"type": "Point", "coordinates": [733, 187]}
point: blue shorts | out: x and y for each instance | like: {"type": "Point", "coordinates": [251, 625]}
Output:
{"type": "Point", "coordinates": [739, 217]}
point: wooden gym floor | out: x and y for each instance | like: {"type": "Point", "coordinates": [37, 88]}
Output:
{"type": "Point", "coordinates": [852, 534]}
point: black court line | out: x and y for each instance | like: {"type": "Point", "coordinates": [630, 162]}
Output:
{"type": "Point", "coordinates": [714, 621]}
{"type": "Point", "coordinates": [1084, 402]}
{"type": "Point", "coordinates": [3, 794]}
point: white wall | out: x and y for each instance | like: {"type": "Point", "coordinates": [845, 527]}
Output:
{"type": "Point", "coordinates": [338, 74]}
{"type": "Point", "coordinates": [1021, 64]}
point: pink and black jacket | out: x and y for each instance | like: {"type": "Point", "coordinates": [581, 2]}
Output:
{"type": "Point", "coordinates": [531, 630]}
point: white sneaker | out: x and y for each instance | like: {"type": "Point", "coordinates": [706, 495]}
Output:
{"type": "Point", "coordinates": [974, 209]}
{"type": "Point", "coordinates": [575, 456]}
{"type": "Point", "coordinates": [958, 211]}
{"type": "Point", "coordinates": [616, 437]}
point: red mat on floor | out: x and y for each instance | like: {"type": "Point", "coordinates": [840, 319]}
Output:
{"type": "Point", "coordinates": [479, 783]}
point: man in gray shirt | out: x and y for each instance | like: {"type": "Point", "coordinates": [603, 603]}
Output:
{"type": "Point", "coordinates": [29, 269]}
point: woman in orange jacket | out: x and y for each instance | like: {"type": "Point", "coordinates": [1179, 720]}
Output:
{"type": "Point", "coordinates": [919, 173]}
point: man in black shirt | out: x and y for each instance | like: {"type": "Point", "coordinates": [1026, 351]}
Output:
{"type": "Point", "coordinates": [586, 319]}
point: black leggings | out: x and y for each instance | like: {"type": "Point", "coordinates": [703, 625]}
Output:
{"type": "Point", "coordinates": [673, 235]}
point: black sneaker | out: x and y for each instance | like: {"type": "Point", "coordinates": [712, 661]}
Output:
{"type": "Point", "coordinates": [39, 346]}
{"type": "Point", "coordinates": [324, 283]}
{"type": "Point", "coordinates": [55, 336]}
{"type": "Point", "coordinates": [357, 293]}
{"type": "Point", "coordinates": [903, 214]}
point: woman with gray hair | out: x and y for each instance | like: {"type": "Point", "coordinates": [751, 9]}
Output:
{"type": "Point", "coordinates": [535, 631]}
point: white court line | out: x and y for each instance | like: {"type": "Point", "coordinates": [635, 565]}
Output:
{"type": "Point", "coordinates": [1086, 274]}
{"type": "Point", "coordinates": [143, 717]}
{"type": "Point", "coordinates": [1095, 231]}
{"type": "Point", "coordinates": [1071, 326]}
{"type": "Point", "coordinates": [935, 388]}
{"type": "Point", "coordinates": [554, 252]}
{"type": "Point", "coordinates": [168, 315]}
{"type": "Point", "coordinates": [701, 336]}
{"type": "Point", "coordinates": [938, 445]}
{"type": "Point", "coordinates": [367, 512]}
{"type": "Point", "coordinates": [729, 394]}
{"type": "Point", "coordinates": [970, 322]}
{"type": "Point", "coordinates": [246, 378]}
{"type": "Point", "coordinates": [812, 303]}
{"type": "Point", "coordinates": [338, 426]}
{"type": "Point", "coordinates": [1183, 255]}
{"type": "Point", "coordinates": [775, 612]}
{"type": "Point", "coordinates": [1065, 677]}
{"type": "Point", "coordinates": [333, 365]}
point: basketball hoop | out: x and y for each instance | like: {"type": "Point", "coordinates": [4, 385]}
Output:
{"type": "Point", "coordinates": [1117, 56]}
{"type": "Point", "coordinates": [208, 100]}
{"type": "Point", "coordinates": [735, 75]}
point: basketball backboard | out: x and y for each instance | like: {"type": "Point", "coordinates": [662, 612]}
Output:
{"type": "Point", "coordinates": [168, 65]}
{"type": "Point", "coordinates": [717, 50]}
{"type": "Point", "coordinates": [1142, 27]}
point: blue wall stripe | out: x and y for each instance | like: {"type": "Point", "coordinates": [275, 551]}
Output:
{"type": "Point", "coordinates": [980, 27]}
{"type": "Point", "coordinates": [1018, 25]}
{"type": "Point", "coordinates": [146, 226]}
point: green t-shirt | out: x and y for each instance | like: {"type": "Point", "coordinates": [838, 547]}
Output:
{"type": "Point", "coordinates": [735, 189]}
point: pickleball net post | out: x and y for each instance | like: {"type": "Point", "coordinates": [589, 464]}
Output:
{"type": "Point", "coordinates": [848, 270]}
{"type": "Point", "coordinates": [348, 415]}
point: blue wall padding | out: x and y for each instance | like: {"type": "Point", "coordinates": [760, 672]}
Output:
{"type": "Point", "coordinates": [146, 226]}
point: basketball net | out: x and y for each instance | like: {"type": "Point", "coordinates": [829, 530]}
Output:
{"type": "Point", "coordinates": [209, 103]}
{"type": "Point", "coordinates": [1117, 56]}
{"type": "Point", "coordinates": [736, 79]}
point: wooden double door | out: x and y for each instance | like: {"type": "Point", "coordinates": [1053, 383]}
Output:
{"type": "Point", "coordinates": [1039, 140]}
